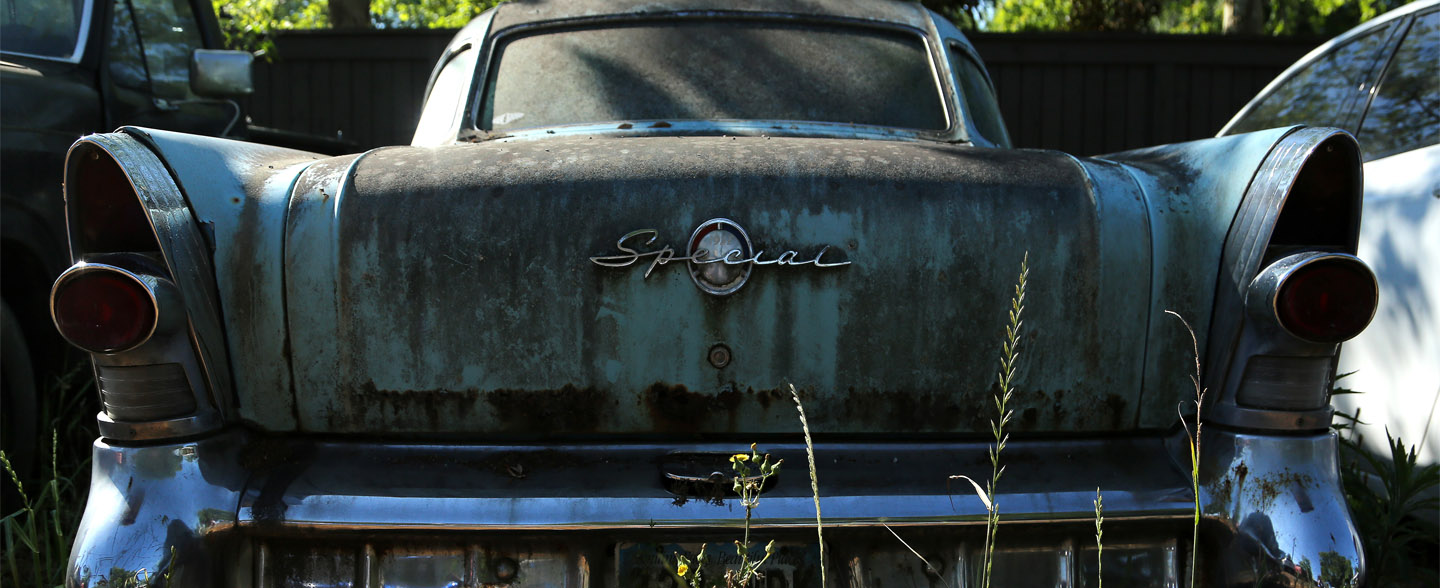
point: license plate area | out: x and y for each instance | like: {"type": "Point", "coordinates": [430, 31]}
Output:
{"type": "Point", "coordinates": [1029, 554]}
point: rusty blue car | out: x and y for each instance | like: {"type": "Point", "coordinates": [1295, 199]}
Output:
{"type": "Point", "coordinates": [524, 349]}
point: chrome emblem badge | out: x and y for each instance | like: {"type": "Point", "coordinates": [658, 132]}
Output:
{"type": "Point", "coordinates": [719, 255]}
{"type": "Point", "coordinates": [716, 255]}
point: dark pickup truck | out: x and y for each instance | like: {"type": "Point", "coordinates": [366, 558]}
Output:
{"type": "Point", "coordinates": [72, 68]}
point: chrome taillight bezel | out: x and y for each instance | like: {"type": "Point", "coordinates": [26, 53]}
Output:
{"type": "Point", "coordinates": [157, 289]}
{"type": "Point", "coordinates": [1263, 297]}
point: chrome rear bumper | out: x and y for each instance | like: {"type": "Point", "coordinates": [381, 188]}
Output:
{"type": "Point", "coordinates": [241, 509]}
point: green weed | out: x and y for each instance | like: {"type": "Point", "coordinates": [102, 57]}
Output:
{"type": "Point", "coordinates": [1194, 444]}
{"type": "Point", "coordinates": [1010, 353]}
{"type": "Point", "coordinates": [36, 535]}
{"type": "Point", "coordinates": [36, 527]}
{"type": "Point", "coordinates": [1393, 501]}
{"type": "Point", "coordinates": [748, 487]}
{"type": "Point", "coordinates": [1397, 521]}
{"type": "Point", "coordinates": [814, 480]}
{"type": "Point", "coordinates": [748, 483]}
{"type": "Point", "coordinates": [1099, 544]}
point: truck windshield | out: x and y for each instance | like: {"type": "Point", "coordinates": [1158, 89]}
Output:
{"type": "Point", "coordinates": [713, 70]}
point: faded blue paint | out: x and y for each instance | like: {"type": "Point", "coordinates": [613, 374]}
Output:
{"type": "Point", "coordinates": [240, 192]}
{"type": "Point", "coordinates": [465, 301]}
{"type": "Point", "coordinates": [1193, 190]}
{"type": "Point", "coordinates": [403, 315]}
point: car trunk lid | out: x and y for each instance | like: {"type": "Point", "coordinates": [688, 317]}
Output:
{"type": "Point", "coordinates": [456, 290]}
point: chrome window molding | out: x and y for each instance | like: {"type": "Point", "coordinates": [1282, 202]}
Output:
{"type": "Point", "coordinates": [954, 131]}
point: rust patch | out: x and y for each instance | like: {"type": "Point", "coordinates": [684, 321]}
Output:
{"type": "Point", "coordinates": [1115, 410]}
{"type": "Point", "coordinates": [674, 408]}
{"type": "Point", "coordinates": [625, 126]}
{"type": "Point", "coordinates": [266, 453]}
{"type": "Point", "coordinates": [660, 125]}
{"type": "Point", "coordinates": [565, 409]}
{"type": "Point", "coordinates": [568, 409]}
{"type": "Point", "coordinates": [428, 407]}
{"type": "Point", "coordinates": [766, 397]}
{"type": "Point", "coordinates": [1221, 489]}
{"type": "Point", "coordinates": [1271, 486]}
{"type": "Point", "coordinates": [912, 410]}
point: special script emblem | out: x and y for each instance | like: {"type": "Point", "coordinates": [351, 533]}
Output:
{"type": "Point", "coordinates": [719, 255]}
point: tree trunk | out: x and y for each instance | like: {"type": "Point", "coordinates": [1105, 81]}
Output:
{"type": "Point", "coordinates": [350, 14]}
{"type": "Point", "coordinates": [1242, 17]}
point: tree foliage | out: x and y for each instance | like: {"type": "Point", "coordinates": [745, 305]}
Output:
{"type": "Point", "coordinates": [1282, 17]}
{"type": "Point", "coordinates": [251, 24]}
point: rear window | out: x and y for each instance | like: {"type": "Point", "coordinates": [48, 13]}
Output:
{"type": "Point", "coordinates": [741, 70]}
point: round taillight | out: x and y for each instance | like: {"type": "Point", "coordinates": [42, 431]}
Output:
{"type": "Point", "coordinates": [1328, 300]}
{"type": "Point", "coordinates": [102, 309]}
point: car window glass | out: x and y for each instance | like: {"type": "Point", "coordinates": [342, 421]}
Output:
{"type": "Point", "coordinates": [437, 120]}
{"type": "Point", "coordinates": [1405, 113]}
{"type": "Point", "coordinates": [126, 65]}
{"type": "Point", "coordinates": [1317, 94]}
{"type": "Point", "coordinates": [41, 27]}
{"type": "Point", "coordinates": [742, 70]}
{"type": "Point", "coordinates": [980, 105]}
{"type": "Point", "coordinates": [168, 34]}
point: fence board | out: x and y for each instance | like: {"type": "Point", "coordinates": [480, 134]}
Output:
{"type": "Point", "coordinates": [1080, 93]}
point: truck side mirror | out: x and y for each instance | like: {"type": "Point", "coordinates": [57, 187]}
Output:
{"type": "Point", "coordinates": [221, 74]}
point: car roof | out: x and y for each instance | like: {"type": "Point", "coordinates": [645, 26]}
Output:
{"type": "Point", "coordinates": [523, 12]}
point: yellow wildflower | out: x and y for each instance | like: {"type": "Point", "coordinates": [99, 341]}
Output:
{"type": "Point", "coordinates": [682, 569]}
{"type": "Point", "coordinates": [739, 457]}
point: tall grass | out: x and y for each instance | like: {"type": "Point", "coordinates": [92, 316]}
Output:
{"type": "Point", "coordinates": [814, 480]}
{"type": "Point", "coordinates": [1194, 445]}
{"type": "Point", "coordinates": [1099, 539]}
{"type": "Point", "coordinates": [36, 544]}
{"type": "Point", "coordinates": [1009, 355]}
{"type": "Point", "coordinates": [37, 530]}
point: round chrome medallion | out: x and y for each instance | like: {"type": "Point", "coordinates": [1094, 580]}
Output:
{"type": "Point", "coordinates": [719, 255]}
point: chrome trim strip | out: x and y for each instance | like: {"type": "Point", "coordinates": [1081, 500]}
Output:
{"type": "Point", "coordinates": [954, 131]}
{"type": "Point", "coordinates": [351, 486]}
{"type": "Point", "coordinates": [166, 429]}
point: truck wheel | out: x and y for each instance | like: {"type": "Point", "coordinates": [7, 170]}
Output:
{"type": "Point", "coordinates": [17, 400]}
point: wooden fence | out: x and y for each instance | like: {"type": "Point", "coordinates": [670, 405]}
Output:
{"type": "Point", "coordinates": [1080, 93]}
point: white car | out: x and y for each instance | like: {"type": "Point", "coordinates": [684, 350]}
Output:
{"type": "Point", "coordinates": [1381, 81]}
